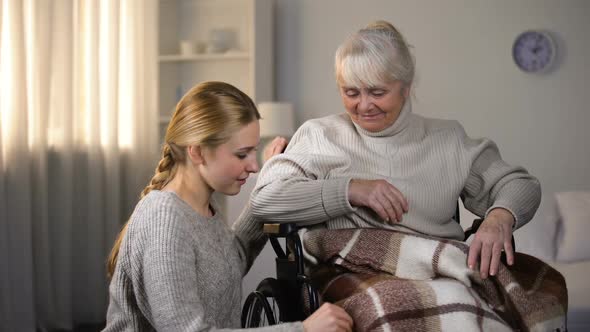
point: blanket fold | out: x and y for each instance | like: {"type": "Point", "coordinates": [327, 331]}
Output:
{"type": "Point", "coordinates": [393, 281]}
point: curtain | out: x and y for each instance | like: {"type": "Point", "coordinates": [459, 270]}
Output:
{"type": "Point", "coordinates": [78, 142]}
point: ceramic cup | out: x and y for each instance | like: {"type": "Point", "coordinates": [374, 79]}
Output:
{"type": "Point", "coordinates": [187, 47]}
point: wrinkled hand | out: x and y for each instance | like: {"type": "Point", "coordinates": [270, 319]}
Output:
{"type": "Point", "coordinates": [328, 318]}
{"type": "Point", "coordinates": [380, 196]}
{"type": "Point", "coordinates": [276, 146]}
{"type": "Point", "coordinates": [493, 236]}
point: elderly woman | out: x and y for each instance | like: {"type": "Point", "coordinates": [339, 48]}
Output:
{"type": "Point", "coordinates": [380, 166]}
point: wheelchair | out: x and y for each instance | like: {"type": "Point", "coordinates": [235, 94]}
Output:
{"type": "Point", "coordinates": [292, 295]}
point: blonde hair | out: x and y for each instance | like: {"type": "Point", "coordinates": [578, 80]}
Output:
{"type": "Point", "coordinates": [374, 55]}
{"type": "Point", "coordinates": [207, 115]}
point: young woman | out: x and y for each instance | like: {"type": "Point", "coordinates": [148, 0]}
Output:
{"type": "Point", "coordinates": [176, 266]}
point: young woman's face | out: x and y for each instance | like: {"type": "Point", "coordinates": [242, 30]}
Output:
{"type": "Point", "coordinates": [227, 167]}
{"type": "Point", "coordinates": [374, 108]}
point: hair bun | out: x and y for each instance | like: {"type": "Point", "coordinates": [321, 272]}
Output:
{"type": "Point", "coordinates": [381, 25]}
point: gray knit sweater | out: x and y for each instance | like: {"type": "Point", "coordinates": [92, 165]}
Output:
{"type": "Point", "coordinates": [432, 162]}
{"type": "Point", "coordinates": [180, 271]}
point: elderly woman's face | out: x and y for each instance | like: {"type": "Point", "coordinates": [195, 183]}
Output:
{"type": "Point", "coordinates": [374, 108]}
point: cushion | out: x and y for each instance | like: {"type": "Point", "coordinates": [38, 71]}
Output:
{"type": "Point", "coordinates": [573, 230]}
{"type": "Point", "coordinates": [538, 236]}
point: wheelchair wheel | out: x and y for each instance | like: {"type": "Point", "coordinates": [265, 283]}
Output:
{"type": "Point", "coordinates": [262, 306]}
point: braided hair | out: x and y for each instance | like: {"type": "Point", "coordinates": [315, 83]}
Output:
{"type": "Point", "coordinates": [207, 115]}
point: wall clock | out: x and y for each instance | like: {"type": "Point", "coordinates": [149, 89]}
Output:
{"type": "Point", "coordinates": [534, 51]}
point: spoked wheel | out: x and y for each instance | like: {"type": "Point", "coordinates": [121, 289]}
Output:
{"type": "Point", "coordinates": [310, 298]}
{"type": "Point", "coordinates": [262, 307]}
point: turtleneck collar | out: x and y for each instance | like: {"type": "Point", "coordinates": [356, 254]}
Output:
{"type": "Point", "coordinates": [400, 123]}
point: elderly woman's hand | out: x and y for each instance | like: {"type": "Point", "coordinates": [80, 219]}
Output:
{"type": "Point", "coordinates": [380, 196]}
{"type": "Point", "coordinates": [275, 147]}
{"type": "Point", "coordinates": [494, 234]}
{"type": "Point", "coordinates": [329, 317]}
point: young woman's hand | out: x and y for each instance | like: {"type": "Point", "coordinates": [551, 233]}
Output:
{"type": "Point", "coordinates": [328, 318]}
{"type": "Point", "coordinates": [493, 236]}
{"type": "Point", "coordinates": [380, 196]}
{"type": "Point", "coordinates": [276, 146]}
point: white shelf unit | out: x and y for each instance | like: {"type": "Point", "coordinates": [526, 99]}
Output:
{"type": "Point", "coordinates": [204, 57]}
{"type": "Point", "coordinates": [248, 64]}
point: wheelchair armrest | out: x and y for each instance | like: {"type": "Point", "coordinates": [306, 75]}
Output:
{"type": "Point", "coordinates": [279, 230]}
{"type": "Point", "coordinates": [282, 230]}
{"type": "Point", "coordinates": [293, 245]}
{"type": "Point", "coordinates": [473, 229]}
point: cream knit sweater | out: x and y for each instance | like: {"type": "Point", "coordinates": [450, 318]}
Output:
{"type": "Point", "coordinates": [431, 161]}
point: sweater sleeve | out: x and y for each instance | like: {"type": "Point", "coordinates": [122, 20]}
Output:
{"type": "Point", "coordinates": [493, 183]}
{"type": "Point", "coordinates": [249, 237]}
{"type": "Point", "coordinates": [170, 280]}
{"type": "Point", "coordinates": [295, 187]}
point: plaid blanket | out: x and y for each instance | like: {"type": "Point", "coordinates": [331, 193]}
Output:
{"type": "Point", "coordinates": [393, 281]}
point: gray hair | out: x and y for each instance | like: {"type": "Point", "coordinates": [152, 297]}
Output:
{"type": "Point", "coordinates": [374, 55]}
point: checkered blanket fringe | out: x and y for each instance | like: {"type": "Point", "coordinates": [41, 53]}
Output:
{"type": "Point", "coordinates": [392, 281]}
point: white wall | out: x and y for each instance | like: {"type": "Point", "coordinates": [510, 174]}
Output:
{"type": "Point", "coordinates": [464, 72]}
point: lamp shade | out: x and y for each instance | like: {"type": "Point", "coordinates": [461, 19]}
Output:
{"type": "Point", "coordinates": [277, 119]}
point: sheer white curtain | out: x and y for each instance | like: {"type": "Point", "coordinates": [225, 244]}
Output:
{"type": "Point", "coordinates": [78, 141]}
